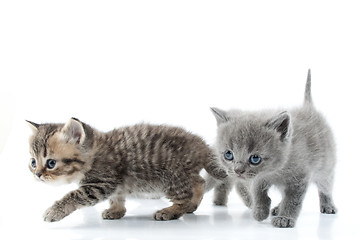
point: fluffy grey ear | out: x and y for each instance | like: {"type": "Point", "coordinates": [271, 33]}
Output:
{"type": "Point", "coordinates": [73, 131]}
{"type": "Point", "coordinates": [282, 124]}
{"type": "Point", "coordinates": [33, 126]}
{"type": "Point", "coordinates": [221, 116]}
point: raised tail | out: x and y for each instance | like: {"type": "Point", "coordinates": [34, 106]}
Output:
{"type": "Point", "coordinates": [308, 97]}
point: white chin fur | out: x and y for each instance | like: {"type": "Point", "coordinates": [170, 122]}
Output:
{"type": "Point", "coordinates": [61, 180]}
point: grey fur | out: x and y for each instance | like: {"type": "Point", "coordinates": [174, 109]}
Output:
{"type": "Point", "coordinates": [308, 95]}
{"type": "Point", "coordinates": [296, 146]}
{"type": "Point", "coordinates": [141, 160]}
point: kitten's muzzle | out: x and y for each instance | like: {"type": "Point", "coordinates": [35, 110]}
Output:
{"type": "Point", "coordinates": [39, 174]}
{"type": "Point", "coordinates": [240, 172]}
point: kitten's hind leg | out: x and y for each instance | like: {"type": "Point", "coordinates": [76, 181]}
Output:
{"type": "Point", "coordinates": [243, 191]}
{"type": "Point", "coordinates": [186, 199]}
{"type": "Point", "coordinates": [117, 208]}
{"type": "Point", "coordinates": [326, 204]}
{"type": "Point", "coordinates": [325, 193]}
{"type": "Point", "coordinates": [173, 212]}
{"type": "Point", "coordinates": [197, 194]}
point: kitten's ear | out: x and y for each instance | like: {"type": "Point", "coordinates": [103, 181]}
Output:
{"type": "Point", "coordinates": [33, 126]}
{"type": "Point", "coordinates": [221, 116]}
{"type": "Point", "coordinates": [282, 124]}
{"type": "Point", "coordinates": [73, 131]}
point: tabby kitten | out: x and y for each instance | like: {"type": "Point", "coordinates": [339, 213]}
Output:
{"type": "Point", "coordinates": [130, 161]}
{"type": "Point", "coordinates": [288, 149]}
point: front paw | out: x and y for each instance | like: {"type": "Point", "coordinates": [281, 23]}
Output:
{"type": "Point", "coordinates": [283, 222]}
{"type": "Point", "coordinates": [54, 213]}
{"type": "Point", "coordinates": [260, 213]}
{"type": "Point", "coordinates": [111, 214]}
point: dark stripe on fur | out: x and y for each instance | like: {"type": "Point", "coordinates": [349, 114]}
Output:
{"type": "Point", "coordinates": [74, 160]}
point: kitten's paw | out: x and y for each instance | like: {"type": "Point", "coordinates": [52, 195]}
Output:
{"type": "Point", "coordinates": [54, 214]}
{"type": "Point", "coordinates": [328, 209]}
{"type": "Point", "coordinates": [275, 211]}
{"type": "Point", "coordinates": [220, 196]}
{"type": "Point", "coordinates": [220, 202]}
{"type": "Point", "coordinates": [166, 214]}
{"type": "Point", "coordinates": [260, 214]}
{"type": "Point", "coordinates": [192, 208]}
{"type": "Point", "coordinates": [283, 222]}
{"type": "Point", "coordinates": [111, 214]}
{"type": "Point", "coordinates": [248, 202]}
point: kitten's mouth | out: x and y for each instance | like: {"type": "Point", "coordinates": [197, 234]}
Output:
{"type": "Point", "coordinates": [41, 180]}
{"type": "Point", "coordinates": [244, 176]}
{"type": "Point", "coordinates": [241, 176]}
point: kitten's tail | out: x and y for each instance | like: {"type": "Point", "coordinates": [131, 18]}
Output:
{"type": "Point", "coordinates": [308, 97]}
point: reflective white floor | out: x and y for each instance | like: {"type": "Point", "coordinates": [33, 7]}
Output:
{"type": "Point", "coordinates": [23, 201]}
{"type": "Point", "coordinates": [23, 218]}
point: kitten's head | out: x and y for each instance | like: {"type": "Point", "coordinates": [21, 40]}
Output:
{"type": "Point", "coordinates": [252, 144]}
{"type": "Point", "coordinates": [58, 151]}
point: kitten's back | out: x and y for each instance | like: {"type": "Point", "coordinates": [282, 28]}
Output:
{"type": "Point", "coordinates": [312, 142]}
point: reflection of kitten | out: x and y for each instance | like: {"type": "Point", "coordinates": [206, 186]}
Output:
{"type": "Point", "coordinates": [137, 160]}
{"type": "Point", "coordinates": [287, 149]}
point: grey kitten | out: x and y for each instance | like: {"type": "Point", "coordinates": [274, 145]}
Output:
{"type": "Point", "coordinates": [288, 149]}
{"type": "Point", "coordinates": [142, 161]}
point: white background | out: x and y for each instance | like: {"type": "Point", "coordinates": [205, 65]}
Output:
{"type": "Point", "coordinates": [116, 63]}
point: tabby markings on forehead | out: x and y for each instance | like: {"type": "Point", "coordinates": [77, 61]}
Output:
{"type": "Point", "coordinates": [35, 148]}
{"type": "Point", "coordinates": [41, 142]}
{"type": "Point", "coordinates": [45, 150]}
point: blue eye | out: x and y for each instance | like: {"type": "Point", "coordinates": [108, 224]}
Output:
{"type": "Point", "coordinates": [255, 159]}
{"type": "Point", "coordinates": [50, 163]}
{"type": "Point", "coordinates": [33, 163]}
{"type": "Point", "coordinates": [228, 155]}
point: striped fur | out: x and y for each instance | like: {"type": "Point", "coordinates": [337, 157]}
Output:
{"type": "Point", "coordinates": [141, 160]}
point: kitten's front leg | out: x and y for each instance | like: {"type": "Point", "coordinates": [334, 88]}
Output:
{"type": "Point", "coordinates": [87, 195]}
{"type": "Point", "coordinates": [290, 207]}
{"type": "Point", "coordinates": [242, 189]}
{"type": "Point", "coordinates": [117, 207]}
{"type": "Point", "coordinates": [58, 211]}
{"type": "Point", "coordinates": [262, 202]}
